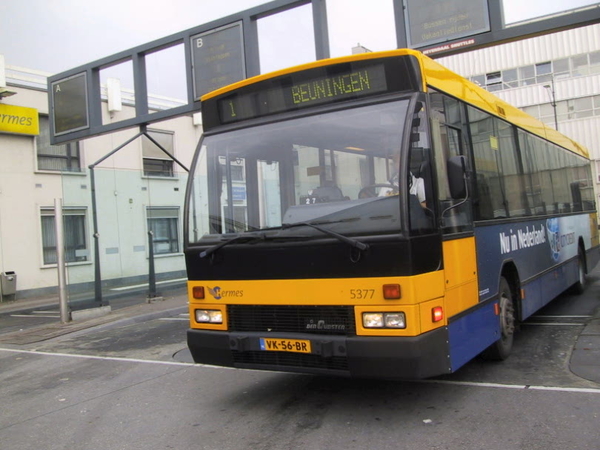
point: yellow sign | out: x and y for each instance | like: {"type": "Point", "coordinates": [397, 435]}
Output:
{"type": "Point", "coordinates": [18, 119]}
{"type": "Point", "coordinates": [494, 142]}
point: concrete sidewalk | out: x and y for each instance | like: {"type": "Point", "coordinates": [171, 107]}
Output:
{"type": "Point", "coordinates": [142, 311]}
{"type": "Point", "coordinates": [20, 305]}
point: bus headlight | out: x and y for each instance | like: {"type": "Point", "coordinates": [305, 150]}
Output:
{"type": "Point", "coordinates": [209, 316]}
{"type": "Point", "coordinates": [384, 320]}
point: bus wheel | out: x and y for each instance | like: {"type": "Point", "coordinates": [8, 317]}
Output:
{"type": "Point", "coordinates": [500, 349]}
{"type": "Point", "coordinates": [580, 285]}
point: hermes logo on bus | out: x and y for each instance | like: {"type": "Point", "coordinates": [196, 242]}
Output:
{"type": "Point", "coordinates": [218, 293]}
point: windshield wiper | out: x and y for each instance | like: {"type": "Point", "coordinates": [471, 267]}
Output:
{"type": "Point", "coordinates": [248, 237]}
{"type": "Point", "coordinates": [254, 236]}
{"type": "Point", "coordinates": [340, 237]}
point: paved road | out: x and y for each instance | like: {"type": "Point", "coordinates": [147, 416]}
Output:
{"type": "Point", "coordinates": [133, 387]}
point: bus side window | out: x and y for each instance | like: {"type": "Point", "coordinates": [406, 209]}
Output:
{"type": "Point", "coordinates": [448, 142]}
{"type": "Point", "coordinates": [420, 179]}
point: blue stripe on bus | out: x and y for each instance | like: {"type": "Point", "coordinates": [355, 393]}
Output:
{"type": "Point", "coordinates": [543, 289]}
{"type": "Point", "coordinates": [471, 334]}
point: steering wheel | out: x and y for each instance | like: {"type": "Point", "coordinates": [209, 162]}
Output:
{"type": "Point", "coordinates": [372, 190]}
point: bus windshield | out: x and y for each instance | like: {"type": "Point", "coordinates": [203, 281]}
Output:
{"type": "Point", "coordinates": [332, 169]}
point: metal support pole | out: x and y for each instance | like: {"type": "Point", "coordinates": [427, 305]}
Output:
{"type": "Point", "coordinates": [552, 91]}
{"type": "Point", "coordinates": [59, 231]}
{"type": "Point", "coordinates": [97, 273]}
{"type": "Point", "coordinates": [152, 295]}
{"type": "Point", "coordinates": [554, 105]}
{"type": "Point", "coordinates": [319, 9]}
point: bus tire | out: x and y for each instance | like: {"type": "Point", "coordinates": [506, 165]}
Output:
{"type": "Point", "coordinates": [500, 350]}
{"type": "Point", "coordinates": [581, 283]}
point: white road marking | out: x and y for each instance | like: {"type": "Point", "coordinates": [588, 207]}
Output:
{"type": "Point", "coordinates": [104, 358]}
{"type": "Point", "coordinates": [136, 286]}
{"type": "Point", "coordinates": [175, 318]}
{"type": "Point", "coordinates": [561, 317]}
{"type": "Point", "coordinates": [447, 382]}
{"type": "Point", "coordinates": [515, 386]}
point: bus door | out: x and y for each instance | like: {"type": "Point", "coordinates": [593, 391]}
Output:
{"type": "Point", "coordinates": [472, 326]}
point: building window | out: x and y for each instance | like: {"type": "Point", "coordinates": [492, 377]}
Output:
{"type": "Point", "coordinates": [62, 158]}
{"type": "Point", "coordinates": [527, 75]}
{"type": "Point", "coordinates": [560, 68]}
{"type": "Point", "coordinates": [493, 81]}
{"type": "Point", "coordinates": [576, 108]}
{"type": "Point", "coordinates": [237, 172]}
{"type": "Point", "coordinates": [543, 72]}
{"type": "Point", "coordinates": [156, 162]}
{"type": "Point", "coordinates": [479, 80]}
{"type": "Point", "coordinates": [596, 105]}
{"type": "Point", "coordinates": [595, 62]}
{"type": "Point", "coordinates": [163, 222]}
{"type": "Point", "coordinates": [237, 167]}
{"type": "Point", "coordinates": [533, 111]}
{"type": "Point", "coordinates": [578, 65]}
{"type": "Point", "coordinates": [74, 222]}
{"type": "Point", "coordinates": [510, 78]}
{"type": "Point", "coordinates": [582, 107]}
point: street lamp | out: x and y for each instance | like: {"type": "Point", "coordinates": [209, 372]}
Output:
{"type": "Point", "coordinates": [552, 93]}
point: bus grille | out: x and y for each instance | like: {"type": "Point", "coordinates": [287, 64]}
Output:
{"type": "Point", "coordinates": [281, 359]}
{"type": "Point", "coordinates": [329, 320]}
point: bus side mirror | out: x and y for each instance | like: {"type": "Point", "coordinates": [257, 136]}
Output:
{"type": "Point", "coordinates": [457, 177]}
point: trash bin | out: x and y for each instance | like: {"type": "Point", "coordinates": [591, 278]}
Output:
{"type": "Point", "coordinates": [8, 282]}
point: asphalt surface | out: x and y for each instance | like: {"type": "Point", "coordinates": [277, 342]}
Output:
{"type": "Point", "coordinates": [125, 381]}
{"type": "Point", "coordinates": [40, 322]}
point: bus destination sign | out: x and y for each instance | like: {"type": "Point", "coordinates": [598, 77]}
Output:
{"type": "Point", "coordinates": [292, 94]}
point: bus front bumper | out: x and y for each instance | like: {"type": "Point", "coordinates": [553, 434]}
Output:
{"type": "Point", "coordinates": [417, 357]}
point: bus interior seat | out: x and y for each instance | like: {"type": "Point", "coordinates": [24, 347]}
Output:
{"type": "Point", "coordinates": [328, 193]}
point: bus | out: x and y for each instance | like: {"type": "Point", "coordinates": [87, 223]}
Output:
{"type": "Point", "coordinates": [377, 215]}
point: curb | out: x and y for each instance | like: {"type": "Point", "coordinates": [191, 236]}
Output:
{"type": "Point", "coordinates": [585, 358]}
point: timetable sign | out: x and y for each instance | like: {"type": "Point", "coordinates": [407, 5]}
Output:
{"type": "Point", "coordinates": [217, 58]}
{"type": "Point", "coordinates": [70, 104]}
{"type": "Point", "coordinates": [433, 21]}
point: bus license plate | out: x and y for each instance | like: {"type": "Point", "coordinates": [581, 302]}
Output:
{"type": "Point", "coordinates": [285, 345]}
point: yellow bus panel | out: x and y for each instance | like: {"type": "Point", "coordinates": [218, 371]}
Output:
{"type": "Point", "coordinates": [343, 291]}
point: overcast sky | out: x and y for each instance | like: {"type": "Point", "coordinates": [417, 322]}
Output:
{"type": "Point", "coordinates": [57, 35]}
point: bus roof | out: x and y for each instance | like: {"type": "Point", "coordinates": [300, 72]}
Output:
{"type": "Point", "coordinates": [438, 77]}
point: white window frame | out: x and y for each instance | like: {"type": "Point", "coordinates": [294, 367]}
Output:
{"type": "Point", "coordinates": [153, 155]}
{"type": "Point", "coordinates": [69, 148]}
{"type": "Point", "coordinates": [165, 213]}
{"type": "Point", "coordinates": [72, 256]}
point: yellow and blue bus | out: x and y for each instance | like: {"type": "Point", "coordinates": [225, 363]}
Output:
{"type": "Point", "coordinates": [377, 215]}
